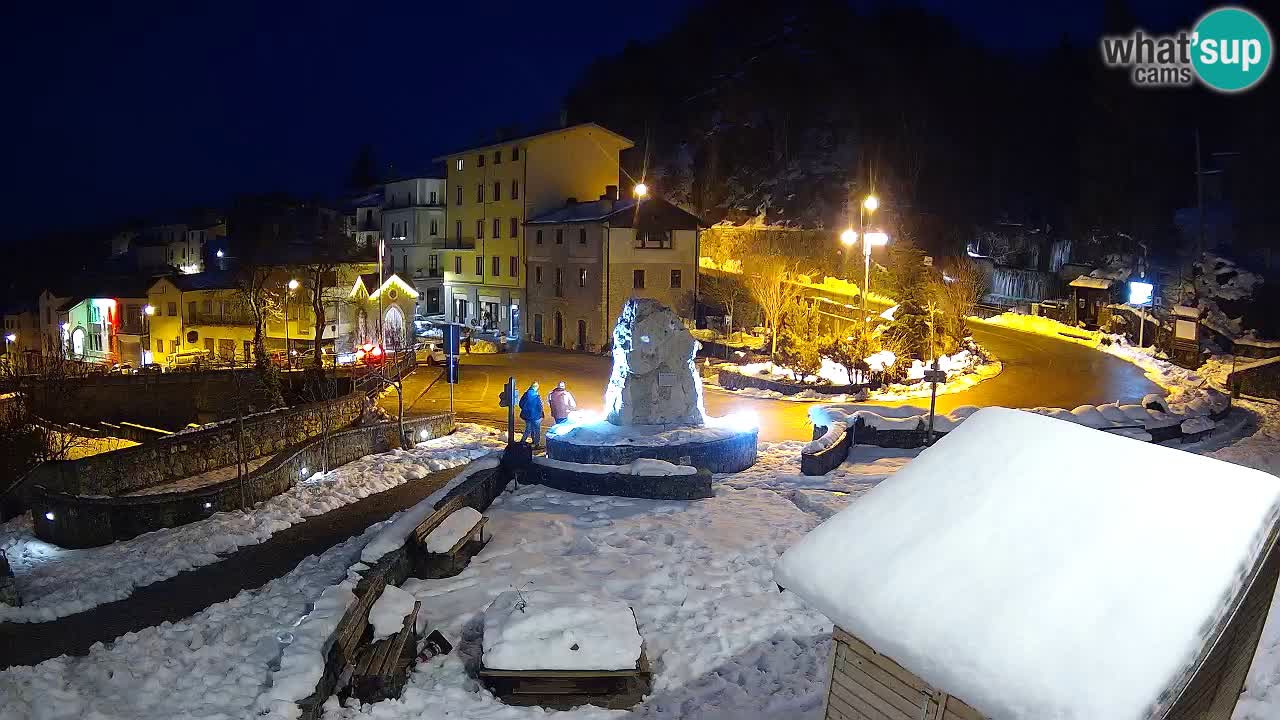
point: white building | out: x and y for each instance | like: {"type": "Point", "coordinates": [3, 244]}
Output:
{"type": "Point", "coordinates": [413, 225]}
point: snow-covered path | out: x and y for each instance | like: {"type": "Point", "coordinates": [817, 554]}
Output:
{"type": "Point", "coordinates": [55, 582]}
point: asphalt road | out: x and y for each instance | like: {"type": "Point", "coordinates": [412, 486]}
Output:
{"type": "Point", "coordinates": [1038, 370]}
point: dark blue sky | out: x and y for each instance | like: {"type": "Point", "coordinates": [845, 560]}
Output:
{"type": "Point", "coordinates": [144, 107]}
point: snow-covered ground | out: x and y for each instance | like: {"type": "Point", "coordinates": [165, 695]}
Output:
{"type": "Point", "coordinates": [54, 582]}
{"type": "Point", "coordinates": [724, 643]}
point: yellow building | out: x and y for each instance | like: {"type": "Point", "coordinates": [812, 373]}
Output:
{"type": "Point", "coordinates": [491, 191]}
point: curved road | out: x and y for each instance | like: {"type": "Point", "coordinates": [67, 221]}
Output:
{"type": "Point", "coordinates": [1038, 370]}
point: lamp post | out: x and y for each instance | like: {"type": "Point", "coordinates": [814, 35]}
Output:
{"type": "Point", "coordinates": [869, 240]}
{"type": "Point", "coordinates": [865, 208]}
{"type": "Point", "coordinates": [288, 357]}
{"type": "Point", "coordinates": [148, 311]}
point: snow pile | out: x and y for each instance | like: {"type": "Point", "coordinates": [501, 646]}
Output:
{"type": "Point", "coordinates": [394, 533]}
{"type": "Point", "coordinates": [1041, 326]}
{"type": "Point", "coordinates": [302, 661]}
{"type": "Point", "coordinates": [737, 339]}
{"type": "Point", "coordinates": [452, 529]}
{"type": "Point", "coordinates": [1220, 278]}
{"type": "Point", "coordinates": [389, 610]}
{"type": "Point", "coordinates": [604, 433]}
{"type": "Point", "coordinates": [55, 582]}
{"type": "Point", "coordinates": [647, 467]}
{"type": "Point", "coordinates": [835, 430]}
{"type": "Point", "coordinates": [536, 630]}
{"type": "Point", "coordinates": [1141, 591]}
{"type": "Point", "coordinates": [887, 417]}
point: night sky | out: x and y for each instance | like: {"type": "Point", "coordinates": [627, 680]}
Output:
{"type": "Point", "coordinates": [149, 107]}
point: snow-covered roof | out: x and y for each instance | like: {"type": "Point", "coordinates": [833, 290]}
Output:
{"type": "Point", "coordinates": [1037, 568]}
{"type": "Point", "coordinates": [1097, 283]}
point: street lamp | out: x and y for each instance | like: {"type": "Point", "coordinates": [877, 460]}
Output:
{"type": "Point", "coordinates": [871, 203]}
{"type": "Point", "coordinates": [848, 237]}
{"type": "Point", "coordinates": [869, 240]}
{"type": "Point", "coordinates": [288, 359]}
{"type": "Point", "coordinates": [641, 190]}
{"type": "Point", "coordinates": [149, 310]}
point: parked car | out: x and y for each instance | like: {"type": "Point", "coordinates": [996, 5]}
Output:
{"type": "Point", "coordinates": [432, 353]}
{"type": "Point", "coordinates": [121, 368]}
{"type": "Point", "coordinates": [149, 368]}
{"type": "Point", "coordinates": [303, 359]}
{"type": "Point", "coordinates": [369, 354]}
{"type": "Point", "coordinates": [189, 361]}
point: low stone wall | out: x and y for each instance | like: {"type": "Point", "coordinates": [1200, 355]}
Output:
{"type": "Point", "coordinates": [477, 491]}
{"type": "Point", "coordinates": [674, 487]}
{"type": "Point", "coordinates": [737, 381]}
{"type": "Point", "coordinates": [79, 521]}
{"type": "Point", "coordinates": [1261, 380]}
{"type": "Point", "coordinates": [730, 455]}
{"type": "Point", "coordinates": [185, 454]}
{"type": "Point", "coordinates": [1244, 348]}
{"type": "Point", "coordinates": [824, 461]}
{"type": "Point", "coordinates": [864, 434]}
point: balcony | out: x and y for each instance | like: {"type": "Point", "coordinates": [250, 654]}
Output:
{"type": "Point", "coordinates": [429, 276]}
{"type": "Point", "coordinates": [439, 243]}
{"type": "Point", "coordinates": [401, 205]}
{"type": "Point", "coordinates": [220, 318]}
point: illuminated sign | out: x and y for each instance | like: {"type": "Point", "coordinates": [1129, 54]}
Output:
{"type": "Point", "coordinates": [1140, 292]}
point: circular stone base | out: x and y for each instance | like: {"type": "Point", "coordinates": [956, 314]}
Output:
{"type": "Point", "coordinates": [729, 453]}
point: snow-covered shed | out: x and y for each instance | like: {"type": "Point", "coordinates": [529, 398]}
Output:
{"type": "Point", "coordinates": [1026, 567]}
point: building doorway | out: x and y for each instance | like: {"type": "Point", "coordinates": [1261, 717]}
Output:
{"type": "Point", "coordinates": [582, 335]}
{"type": "Point", "coordinates": [559, 330]}
{"type": "Point", "coordinates": [537, 327]}
{"type": "Point", "coordinates": [460, 310]}
{"type": "Point", "coordinates": [514, 329]}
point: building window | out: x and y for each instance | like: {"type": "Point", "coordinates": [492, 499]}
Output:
{"type": "Point", "coordinates": [497, 191]}
{"type": "Point", "coordinates": [559, 236]}
{"type": "Point", "coordinates": [497, 157]}
{"type": "Point", "coordinates": [432, 202]}
{"type": "Point", "coordinates": [515, 266]}
{"type": "Point", "coordinates": [480, 265]}
{"type": "Point", "coordinates": [458, 194]}
{"type": "Point", "coordinates": [538, 237]}
{"type": "Point", "coordinates": [515, 189]}
{"type": "Point", "coordinates": [559, 279]}
{"type": "Point", "coordinates": [457, 228]}
{"type": "Point", "coordinates": [675, 279]}
{"type": "Point", "coordinates": [159, 345]}
{"type": "Point", "coordinates": [515, 227]}
{"type": "Point", "coordinates": [480, 192]}
{"type": "Point", "coordinates": [459, 163]}
{"type": "Point", "coordinates": [582, 277]}
{"type": "Point", "coordinates": [537, 274]}
{"type": "Point", "coordinates": [515, 153]}
{"type": "Point", "coordinates": [434, 228]}
{"type": "Point", "coordinates": [480, 160]}
{"type": "Point", "coordinates": [637, 279]}
{"type": "Point", "coordinates": [497, 266]}
{"type": "Point", "coordinates": [480, 229]}
{"type": "Point", "coordinates": [497, 227]}
{"type": "Point", "coordinates": [582, 236]}
{"type": "Point", "coordinates": [173, 309]}
{"type": "Point", "coordinates": [659, 239]}
{"type": "Point", "coordinates": [457, 265]}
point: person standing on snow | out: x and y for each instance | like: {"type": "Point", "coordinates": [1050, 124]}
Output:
{"type": "Point", "coordinates": [531, 414]}
{"type": "Point", "coordinates": [562, 403]}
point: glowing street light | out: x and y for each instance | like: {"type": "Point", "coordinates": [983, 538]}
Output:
{"type": "Point", "coordinates": [219, 253]}
{"type": "Point", "coordinates": [848, 237]}
{"type": "Point", "coordinates": [641, 190]}
{"type": "Point", "coordinates": [293, 284]}
{"type": "Point", "coordinates": [149, 310]}
{"type": "Point", "coordinates": [11, 337]}
{"type": "Point", "coordinates": [871, 203]}
{"type": "Point", "coordinates": [288, 359]}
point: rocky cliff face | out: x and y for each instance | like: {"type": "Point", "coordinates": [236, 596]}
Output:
{"type": "Point", "coordinates": [654, 380]}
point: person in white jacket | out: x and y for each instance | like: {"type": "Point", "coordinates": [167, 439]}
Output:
{"type": "Point", "coordinates": [562, 403]}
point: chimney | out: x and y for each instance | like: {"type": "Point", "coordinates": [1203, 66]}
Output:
{"type": "Point", "coordinates": [610, 192]}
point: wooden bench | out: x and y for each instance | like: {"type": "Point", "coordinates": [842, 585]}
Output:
{"type": "Point", "coordinates": [565, 689]}
{"type": "Point", "coordinates": [431, 563]}
{"type": "Point", "coordinates": [381, 668]}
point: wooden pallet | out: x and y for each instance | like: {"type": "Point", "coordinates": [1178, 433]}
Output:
{"type": "Point", "coordinates": [382, 668]}
{"type": "Point", "coordinates": [565, 689]}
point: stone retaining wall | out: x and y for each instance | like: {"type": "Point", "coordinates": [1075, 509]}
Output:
{"type": "Point", "coordinates": [731, 380]}
{"type": "Point", "coordinates": [190, 453]}
{"type": "Point", "coordinates": [824, 461]}
{"type": "Point", "coordinates": [78, 521]}
{"type": "Point", "coordinates": [1262, 380]}
{"type": "Point", "coordinates": [674, 487]}
{"type": "Point", "coordinates": [8, 586]}
{"type": "Point", "coordinates": [729, 455]}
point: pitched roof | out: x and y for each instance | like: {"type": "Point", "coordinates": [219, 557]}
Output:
{"type": "Point", "coordinates": [648, 213]}
{"type": "Point", "coordinates": [1096, 283]}
{"type": "Point", "coordinates": [627, 142]}
{"type": "Point", "coordinates": [208, 280]}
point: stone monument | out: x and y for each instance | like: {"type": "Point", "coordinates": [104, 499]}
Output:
{"type": "Point", "coordinates": [654, 380]}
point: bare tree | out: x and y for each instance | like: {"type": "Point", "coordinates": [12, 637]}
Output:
{"type": "Point", "coordinates": [262, 301]}
{"type": "Point", "coordinates": [769, 280]}
{"type": "Point", "coordinates": [956, 292]}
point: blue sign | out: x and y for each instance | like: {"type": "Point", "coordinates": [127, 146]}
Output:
{"type": "Point", "coordinates": [1140, 292]}
{"type": "Point", "coordinates": [452, 336]}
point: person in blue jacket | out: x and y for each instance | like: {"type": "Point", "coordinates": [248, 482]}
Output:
{"type": "Point", "coordinates": [531, 413]}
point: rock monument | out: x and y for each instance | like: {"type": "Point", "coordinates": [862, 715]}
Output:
{"type": "Point", "coordinates": [654, 380]}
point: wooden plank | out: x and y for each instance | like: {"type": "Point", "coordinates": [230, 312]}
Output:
{"type": "Point", "coordinates": [854, 707]}
{"type": "Point", "coordinates": [885, 663]}
{"type": "Point", "coordinates": [956, 708]}
{"type": "Point", "coordinates": [642, 666]}
{"type": "Point", "coordinates": [468, 536]}
{"type": "Point", "coordinates": [849, 659]}
{"type": "Point", "coordinates": [912, 706]}
{"type": "Point", "coordinates": [843, 688]}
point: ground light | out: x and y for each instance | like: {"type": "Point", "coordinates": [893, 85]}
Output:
{"type": "Point", "coordinates": [48, 516]}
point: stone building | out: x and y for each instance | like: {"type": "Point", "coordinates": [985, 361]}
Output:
{"type": "Point", "coordinates": [586, 259]}
{"type": "Point", "coordinates": [413, 224]}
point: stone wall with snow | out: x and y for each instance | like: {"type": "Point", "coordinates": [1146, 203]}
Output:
{"type": "Point", "coordinates": [654, 379]}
